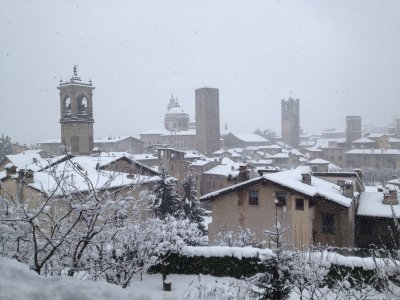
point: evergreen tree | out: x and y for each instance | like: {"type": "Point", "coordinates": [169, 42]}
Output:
{"type": "Point", "coordinates": [166, 201]}
{"type": "Point", "coordinates": [191, 203]}
{"type": "Point", "coordinates": [276, 283]}
{"type": "Point", "coordinates": [5, 146]}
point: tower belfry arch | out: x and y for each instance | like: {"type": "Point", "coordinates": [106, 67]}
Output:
{"type": "Point", "coordinates": [76, 109]}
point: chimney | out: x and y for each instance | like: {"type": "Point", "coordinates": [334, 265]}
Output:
{"type": "Point", "coordinates": [306, 178]}
{"type": "Point", "coordinates": [348, 189]}
{"type": "Point", "coordinates": [243, 173]}
{"type": "Point", "coordinates": [390, 197]}
{"type": "Point", "coordinates": [10, 169]}
{"type": "Point", "coordinates": [25, 175]}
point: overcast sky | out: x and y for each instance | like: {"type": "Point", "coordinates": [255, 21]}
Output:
{"type": "Point", "coordinates": [338, 57]}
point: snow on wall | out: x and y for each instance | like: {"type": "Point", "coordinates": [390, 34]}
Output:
{"type": "Point", "coordinates": [367, 263]}
{"type": "Point", "coordinates": [221, 251]}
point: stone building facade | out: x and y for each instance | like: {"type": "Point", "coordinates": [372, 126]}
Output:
{"type": "Point", "coordinates": [315, 211]}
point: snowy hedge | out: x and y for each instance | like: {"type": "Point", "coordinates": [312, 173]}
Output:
{"type": "Point", "coordinates": [245, 262]}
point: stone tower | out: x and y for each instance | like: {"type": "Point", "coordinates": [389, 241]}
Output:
{"type": "Point", "coordinates": [76, 115]}
{"type": "Point", "coordinates": [353, 128]}
{"type": "Point", "coordinates": [291, 122]}
{"type": "Point", "coordinates": [398, 127]}
{"type": "Point", "coordinates": [207, 120]}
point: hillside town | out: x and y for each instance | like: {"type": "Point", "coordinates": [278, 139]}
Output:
{"type": "Point", "coordinates": [334, 185]}
{"type": "Point", "coordinates": [198, 150]}
{"type": "Point", "coordinates": [218, 188]}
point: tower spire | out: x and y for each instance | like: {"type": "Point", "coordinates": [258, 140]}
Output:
{"type": "Point", "coordinates": [75, 71]}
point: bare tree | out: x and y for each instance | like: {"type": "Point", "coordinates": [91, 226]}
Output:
{"type": "Point", "coordinates": [51, 230]}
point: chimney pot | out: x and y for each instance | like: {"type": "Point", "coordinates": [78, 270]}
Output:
{"type": "Point", "coordinates": [306, 178]}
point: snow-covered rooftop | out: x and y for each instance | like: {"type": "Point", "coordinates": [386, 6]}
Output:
{"type": "Point", "coordinates": [233, 152]}
{"type": "Point", "coordinates": [273, 146]}
{"type": "Point", "coordinates": [333, 168]}
{"type": "Point", "coordinates": [364, 140]}
{"type": "Point", "coordinates": [281, 155]}
{"type": "Point", "coordinates": [328, 142]}
{"type": "Point", "coordinates": [259, 162]}
{"type": "Point", "coordinates": [144, 156]}
{"type": "Point", "coordinates": [371, 204]}
{"type": "Point", "coordinates": [395, 181]}
{"type": "Point", "coordinates": [394, 140]}
{"type": "Point", "coordinates": [182, 132]}
{"type": "Point", "coordinates": [200, 162]}
{"type": "Point", "coordinates": [319, 187]}
{"type": "Point", "coordinates": [292, 179]}
{"type": "Point", "coordinates": [226, 168]}
{"type": "Point", "coordinates": [80, 174]}
{"type": "Point", "coordinates": [251, 138]}
{"type": "Point", "coordinates": [24, 159]}
{"type": "Point", "coordinates": [113, 139]}
{"type": "Point", "coordinates": [374, 151]}
{"type": "Point", "coordinates": [319, 161]}
{"type": "Point", "coordinates": [313, 149]}
{"type": "Point", "coordinates": [50, 141]}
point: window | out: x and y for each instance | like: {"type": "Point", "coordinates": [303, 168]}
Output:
{"type": "Point", "coordinates": [280, 199]}
{"type": "Point", "coordinates": [299, 204]}
{"type": "Point", "coordinates": [328, 223]}
{"type": "Point", "coordinates": [253, 197]}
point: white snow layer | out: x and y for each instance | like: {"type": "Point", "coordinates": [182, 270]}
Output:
{"type": "Point", "coordinates": [18, 282]}
{"type": "Point", "coordinates": [221, 251]}
{"type": "Point", "coordinates": [371, 204]}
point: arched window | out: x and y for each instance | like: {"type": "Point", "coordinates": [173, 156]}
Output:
{"type": "Point", "coordinates": [67, 108]}
{"type": "Point", "coordinates": [83, 104]}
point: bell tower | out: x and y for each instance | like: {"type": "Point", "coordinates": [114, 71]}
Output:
{"type": "Point", "coordinates": [76, 118]}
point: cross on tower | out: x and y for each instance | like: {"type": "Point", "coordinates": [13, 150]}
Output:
{"type": "Point", "coordinates": [75, 70]}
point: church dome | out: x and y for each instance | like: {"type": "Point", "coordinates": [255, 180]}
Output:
{"type": "Point", "coordinates": [176, 119]}
{"type": "Point", "coordinates": [176, 110]}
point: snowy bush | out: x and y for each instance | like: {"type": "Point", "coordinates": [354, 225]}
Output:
{"type": "Point", "coordinates": [243, 237]}
{"type": "Point", "coordinates": [232, 290]}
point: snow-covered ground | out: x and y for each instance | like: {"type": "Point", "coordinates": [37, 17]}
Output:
{"type": "Point", "coordinates": [18, 282]}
